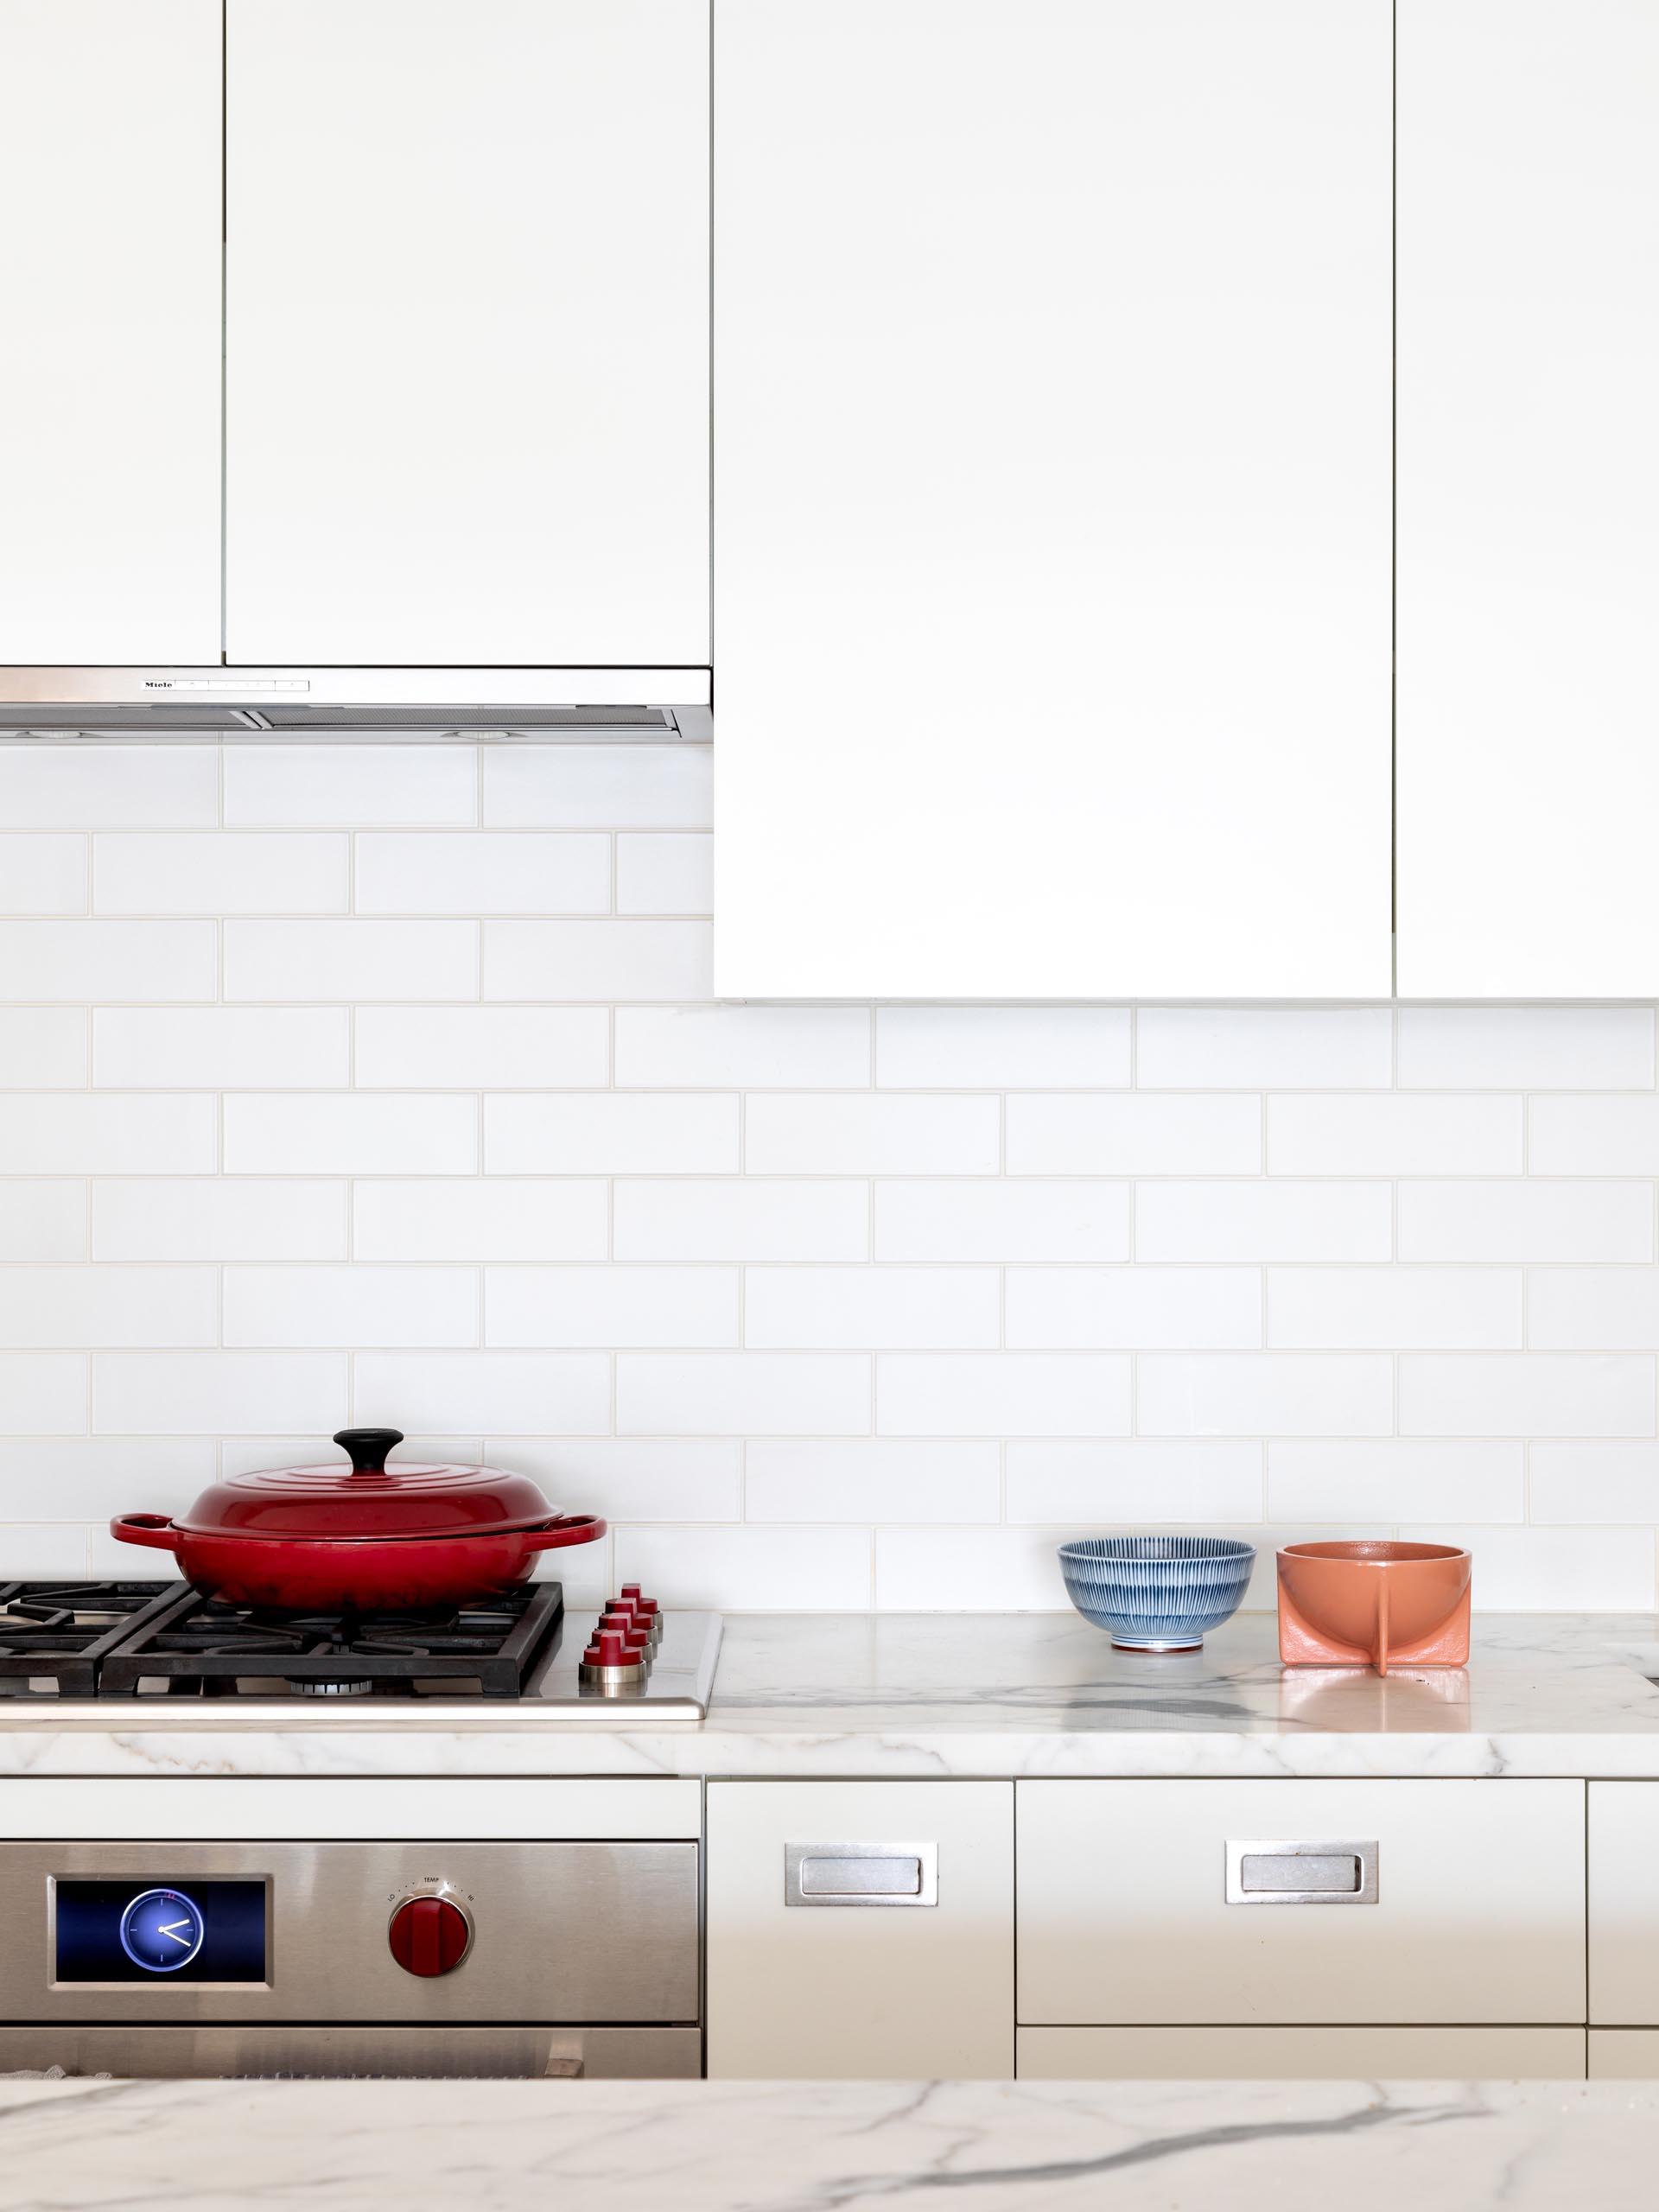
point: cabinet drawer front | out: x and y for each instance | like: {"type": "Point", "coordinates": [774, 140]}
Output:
{"type": "Point", "coordinates": [1466, 1902]}
{"type": "Point", "coordinates": [865, 1990]}
{"type": "Point", "coordinates": [1307, 2054]}
{"type": "Point", "coordinates": [1624, 1903]}
{"type": "Point", "coordinates": [1624, 2055]}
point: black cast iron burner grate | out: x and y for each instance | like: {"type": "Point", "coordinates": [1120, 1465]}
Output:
{"type": "Point", "coordinates": [196, 1647]}
{"type": "Point", "coordinates": [53, 1636]}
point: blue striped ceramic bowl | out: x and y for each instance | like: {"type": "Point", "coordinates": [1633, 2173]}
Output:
{"type": "Point", "coordinates": [1157, 1594]}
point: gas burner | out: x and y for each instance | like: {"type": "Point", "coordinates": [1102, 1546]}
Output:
{"type": "Point", "coordinates": [198, 1648]}
{"type": "Point", "coordinates": [54, 1635]}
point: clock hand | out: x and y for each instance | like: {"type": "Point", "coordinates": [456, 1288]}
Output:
{"type": "Point", "coordinates": [171, 1928]}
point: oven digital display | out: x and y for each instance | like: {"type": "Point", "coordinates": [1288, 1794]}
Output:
{"type": "Point", "coordinates": [160, 1931]}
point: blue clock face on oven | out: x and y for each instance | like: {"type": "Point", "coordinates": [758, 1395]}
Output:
{"type": "Point", "coordinates": [162, 1930]}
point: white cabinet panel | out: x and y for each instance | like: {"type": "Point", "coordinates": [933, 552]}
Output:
{"type": "Point", "coordinates": [921, 1990]}
{"type": "Point", "coordinates": [1624, 1902]}
{"type": "Point", "coordinates": [1301, 2054]}
{"type": "Point", "coordinates": [1124, 1915]}
{"type": "Point", "coordinates": [467, 268]}
{"type": "Point", "coordinates": [1624, 2054]}
{"type": "Point", "coordinates": [110, 199]}
{"type": "Point", "coordinates": [1051, 504]}
{"type": "Point", "coordinates": [1529, 498]}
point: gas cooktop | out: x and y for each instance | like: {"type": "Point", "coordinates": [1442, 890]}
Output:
{"type": "Point", "coordinates": [109, 1641]}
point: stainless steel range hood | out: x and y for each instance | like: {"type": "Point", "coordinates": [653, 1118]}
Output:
{"type": "Point", "coordinates": [296, 703]}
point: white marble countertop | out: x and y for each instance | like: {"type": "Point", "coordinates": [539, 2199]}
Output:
{"type": "Point", "coordinates": [496, 2146]}
{"type": "Point", "coordinates": [992, 1694]}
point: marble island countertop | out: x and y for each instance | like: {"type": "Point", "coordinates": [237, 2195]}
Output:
{"type": "Point", "coordinates": [347, 2146]}
{"type": "Point", "coordinates": [988, 1696]}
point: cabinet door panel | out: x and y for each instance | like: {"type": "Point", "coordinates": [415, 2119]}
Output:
{"type": "Point", "coordinates": [1529, 498]}
{"type": "Point", "coordinates": [1052, 502]}
{"type": "Point", "coordinates": [110, 199]}
{"type": "Point", "coordinates": [1125, 1917]}
{"type": "Point", "coordinates": [1624, 1903]}
{"type": "Point", "coordinates": [860, 1991]}
{"type": "Point", "coordinates": [1301, 2054]}
{"type": "Point", "coordinates": [468, 341]}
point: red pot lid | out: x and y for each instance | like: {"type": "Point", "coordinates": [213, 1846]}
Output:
{"type": "Point", "coordinates": [367, 1498]}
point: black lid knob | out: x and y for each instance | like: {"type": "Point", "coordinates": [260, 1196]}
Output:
{"type": "Point", "coordinates": [368, 1447]}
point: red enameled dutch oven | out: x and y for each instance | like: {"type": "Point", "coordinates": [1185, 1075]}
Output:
{"type": "Point", "coordinates": [363, 1538]}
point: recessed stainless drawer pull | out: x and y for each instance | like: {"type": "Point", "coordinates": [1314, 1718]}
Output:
{"type": "Point", "coordinates": [861, 1874]}
{"type": "Point", "coordinates": [1301, 1873]}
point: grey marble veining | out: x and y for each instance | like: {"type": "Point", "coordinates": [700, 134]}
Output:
{"type": "Point", "coordinates": [970, 1695]}
{"type": "Point", "coordinates": [347, 2146]}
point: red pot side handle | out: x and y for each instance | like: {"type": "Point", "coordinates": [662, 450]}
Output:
{"type": "Point", "coordinates": [155, 1529]}
{"type": "Point", "coordinates": [568, 1528]}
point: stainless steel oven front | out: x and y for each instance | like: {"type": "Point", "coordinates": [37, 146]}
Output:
{"type": "Point", "coordinates": [290, 1956]}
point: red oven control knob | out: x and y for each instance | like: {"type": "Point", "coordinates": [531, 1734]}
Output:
{"type": "Point", "coordinates": [429, 1935]}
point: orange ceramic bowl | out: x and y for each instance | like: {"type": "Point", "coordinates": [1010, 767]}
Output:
{"type": "Point", "coordinates": [1373, 1603]}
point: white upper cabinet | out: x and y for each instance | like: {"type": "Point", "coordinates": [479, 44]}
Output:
{"type": "Point", "coordinates": [109, 366]}
{"type": "Point", "coordinates": [1529, 498]}
{"type": "Point", "coordinates": [467, 331]}
{"type": "Point", "coordinates": [1052, 502]}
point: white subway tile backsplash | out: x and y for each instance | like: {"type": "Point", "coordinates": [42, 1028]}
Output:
{"type": "Point", "coordinates": [1526, 1221]}
{"type": "Point", "coordinates": [1184, 1309]}
{"type": "Point", "coordinates": [613, 1133]}
{"type": "Point", "coordinates": [655, 1481]}
{"type": "Point", "coordinates": [753, 1048]}
{"type": "Point", "coordinates": [752, 1570]}
{"type": "Point", "coordinates": [42, 961]}
{"type": "Point", "coordinates": [43, 1047]}
{"type": "Point", "coordinates": [244, 873]}
{"type": "Point", "coordinates": [321, 1132]}
{"type": "Point", "coordinates": [349, 960]}
{"type": "Point", "coordinates": [598, 960]}
{"type": "Point", "coordinates": [1010, 1394]}
{"type": "Point", "coordinates": [598, 786]}
{"type": "Point", "coordinates": [42, 1220]}
{"type": "Point", "coordinates": [867, 1482]}
{"type": "Point", "coordinates": [1251, 1048]}
{"type": "Point", "coordinates": [1263, 1221]}
{"type": "Point", "coordinates": [854, 1309]}
{"type": "Point", "coordinates": [1393, 1480]}
{"type": "Point", "coordinates": [1580, 1482]}
{"type": "Point", "coordinates": [678, 1308]}
{"type": "Point", "coordinates": [1609, 1133]}
{"type": "Point", "coordinates": [218, 1217]}
{"type": "Point", "coordinates": [43, 874]}
{"type": "Point", "coordinates": [1548, 1394]}
{"type": "Point", "coordinates": [671, 874]}
{"type": "Point", "coordinates": [43, 1394]}
{"type": "Point", "coordinates": [1264, 1394]}
{"type": "Point", "coordinates": [823, 1305]}
{"type": "Point", "coordinates": [350, 787]}
{"type": "Point", "coordinates": [84, 787]}
{"type": "Point", "coordinates": [522, 1393]}
{"type": "Point", "coordinates": [282, 1307]}
{"type": "Point", "coordinates": [438, 1217]}
{"type": "Point", "coordinates": [729, 1219]}
{"type": "Point", "coordinates": [1526, 1047]}
{"type": "Point", "coordinates": [220, 1047]}
{"type": "Point", "coordinates": [992, 1221]}
{"type": "Point", "coordinates": [868, 1132]}
{"type": "Point", "coordinates": [80, 1133]}
{"type": "Point", "coordinates": [211, 1393]}
{"type": "Point", "coordinates": [480, 1047]}
{"type": "Point", "coordinates": [737, 1394]}
{"type": "Point", "coordinates": [1001, 1047]}
{"type": "Point", "coordinates": [1085, 1483]}
{"type": "Point", "coordinates": [1146, 1133]}
{"type": "Point", "coordinates": [1391, 1134]}
{"type": "Point", "coordinates": [515, 872]}
{"type": "Point", "coordinates": [1475, 1309]}
{"type": "Point", "coordinates": [100, 1306]}
{"type": "Point", "coordinates": [1594, 1309]}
